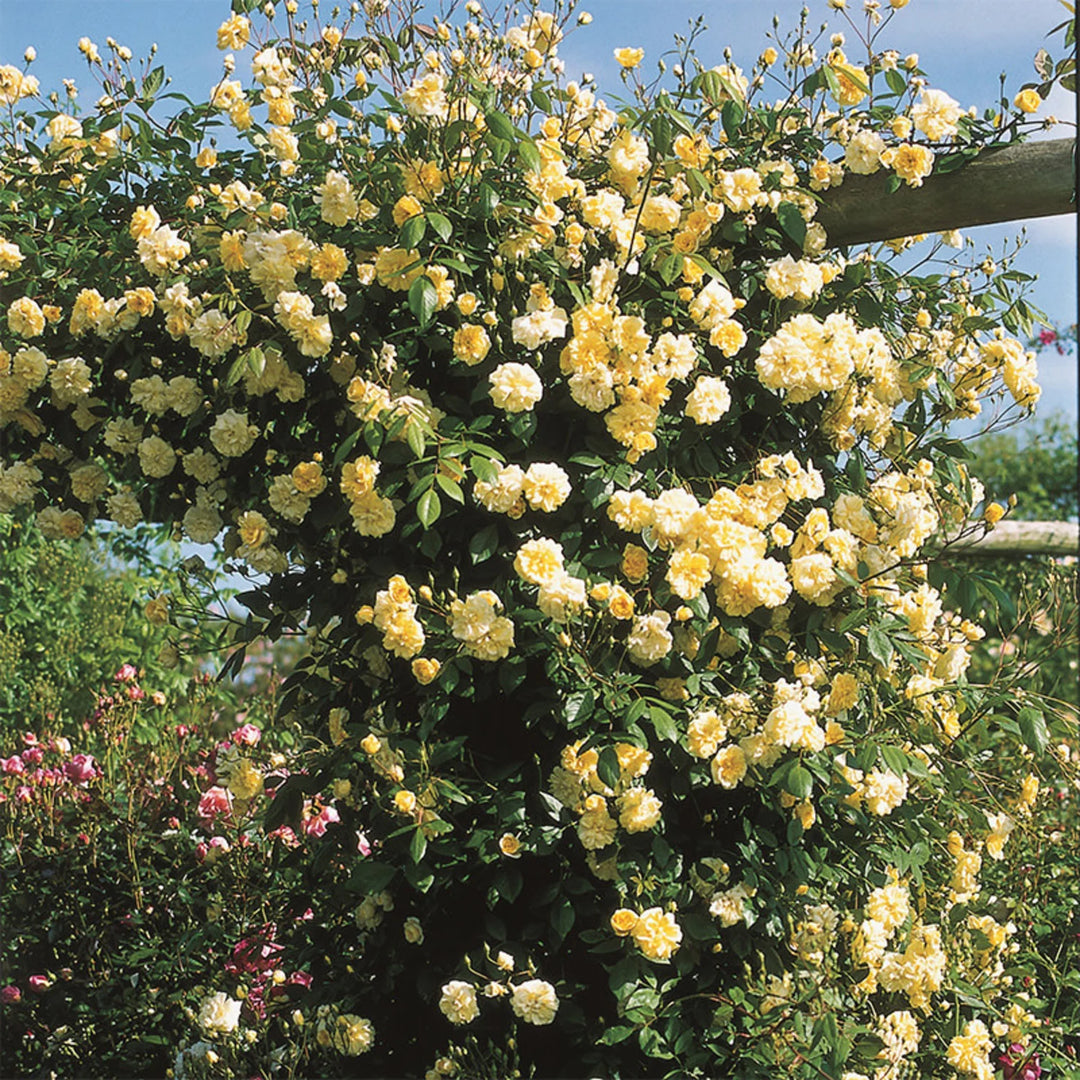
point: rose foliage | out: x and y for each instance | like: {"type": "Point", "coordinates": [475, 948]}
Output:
{"type": "Point", "coordinates": [639, 732]}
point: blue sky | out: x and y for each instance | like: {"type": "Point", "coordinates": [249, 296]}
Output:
{"type": "Point", "coordinates": [963, 45]}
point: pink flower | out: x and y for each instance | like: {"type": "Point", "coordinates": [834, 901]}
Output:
{"type": "Point", "coordinates": [255, 953]}
{"type": "Point", "coordinates": [315, 823]}
{"type": "Point", "coordinates": [10, 995]}
{"type": "Point", "coordinates": [127, 673]}
{"type": "Point", "coordinates": [215, 801]}
{"type": "Point", "coordinates": [80, 769]}
{"type": "Point", "coordinates": [135, 693]}
{"type": "Point", "coordinates": [33, 756]}
{"type": "Point", "coordinates": [23, 793]}
{"type": "Point", "coordinates": [213, 851]}
{"type": "Point", "coordinates": [1017, 1066]}
{"type": "Point", "coordinates": [13, 765]}
{"type": "Point", "coordinates": [39, 984]}
{"type": "Point", "coordinates": [362, 844]}
{"type": "Point", "coordinates": [247, 735]}
{"type": "Point", "coordinates": [285, 835]}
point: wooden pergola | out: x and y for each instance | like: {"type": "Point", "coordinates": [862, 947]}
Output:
{"type": "Point", "coordinates": [1025, 180]}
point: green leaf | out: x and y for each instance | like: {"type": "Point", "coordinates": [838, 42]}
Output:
{"type": "Point", "coordinates": [440, 224]}
{"type": "Point", "coordinates": [529, 156]}
{"type": "Point", "coordinates": [562, 918]}
{"type": "Point", "coordinates": [607, 767]}
{"type": "Point", "coordinates": [731, 116]}
{"type": "Point", "coordinates": [671, 268]}
{"type": "Point", "coordinates": [414, 436]}
{"type": "Point", "coordinates": [428, 508]}
{"type": "Point", "coordinates": [418, 845]}
{"type": "Point", "coordinates": [578, 706]}
{"type": "Point", "coordinates": [799, 781]}
{"type": "Point", "coordinates": [487, 199]}
{"type": "Point", "coordinates": [663, 724]}
{"type": "Point", "coordinates": [499, 125]}
{"type": "Point", "coordinates": [423, 299]}
{"type": "Point", "coordinates": [484, 468]}
{"type": "Point", "coordinates": [879, 646]}
{"type": "Point", "coordinates": [1033, 729]}
{"type": "Point", "coordinates": [949, 163]}
{"type": "Point", "coordinates": [153, 82]}
{"type": "Point", "coordinates": [897, 82]}
{"type": "Point", "coordinates": [792, 222]}
{"type": "Point", "coordinates": [541, 99]}
{"type": "Point", "coordinates": [895, 759]}
{"type": "Point", "coordinates": [412, 231]}
{"type": "Point", "coordinates": [617, 1034]}
{"type": "Point", "coordinates": [371, 876]}
{"type": "Point", "coordinates": [450, 488]}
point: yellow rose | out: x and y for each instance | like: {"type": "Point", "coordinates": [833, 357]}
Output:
{"type": "Point", "coordinates": [635, 564]}
{"type": "Point", "coordinates": [370, 744]}
{"type": "Point", "coordinates": [405, 208]}
{"type": "Point", "coordinates": [405, 801]}
{"type": "Point", "coordinates": [623, 922]}
{"type": "Point", "coordinates": [1027, 101]}
{"type": "Point", "coordinates": [510, 845]}
{"type": "Point", "coordinates": [629, 58]}
{"type": "Point", "coordinates": [425, 670]}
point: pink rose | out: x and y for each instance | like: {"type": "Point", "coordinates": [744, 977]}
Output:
{"type": "Point", "coordinates": [247, 735]}
{"type": "Point", "coordinates": [39, 984]}
{"type": "Point", "coordinates": [10, 995]}
{"type": "Point", "coordinates": [1016, 1066]}
{"type": "Point", "coordinates": [215, 801]}
{"type": "Point", "coordinates": [127, 673]}
{"type": "Point", "coordinates": [315, 824]}
{"type": "Point", "coordinates": [33, 756]}
{"type": "Point", "coordinates": [13, 765]}
{"type": "Point", "coordinates": [80, 769]}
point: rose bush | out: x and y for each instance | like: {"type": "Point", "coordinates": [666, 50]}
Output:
{"type": "Point", "coordinates": [609, 497]}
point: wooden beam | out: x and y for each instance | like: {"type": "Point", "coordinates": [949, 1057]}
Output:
{"type": "Point", "coordinates": [1023, 538]}
{"type": "Point", "coordinates": [1024, 180]}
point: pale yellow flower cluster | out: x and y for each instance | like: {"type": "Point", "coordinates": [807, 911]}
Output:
{"type": "Point", "coordinates": [728, 906]}
{"type": "Point", "coordinates": [917, 972]}
{"type": "Point", "coordinates": [476, 622]}
{"type": "Point", "coordinates": [14, 85]}
{"type": "Point", "coordinates": [722, 542]}
{"type": "Point", "coordinates": [969, 1053]}
{"type": "Point", "coordinates": [577, 785]}
{"type": "Point", "coordinates": [395, 615]}
{"type": "Point", "coordinates": [372, 514]}
{"type": "Point", "coordinates": [657, 934]}
{"type": "Point", "coordinates": [815, 934]}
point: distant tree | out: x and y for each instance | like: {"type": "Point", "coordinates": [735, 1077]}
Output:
{"type": "Point", "coordinates": [1038, 465]}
